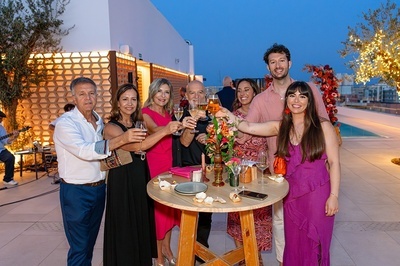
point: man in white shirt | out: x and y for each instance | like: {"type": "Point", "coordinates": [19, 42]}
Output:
{"type": "Point", "coordinates": [79, 145]}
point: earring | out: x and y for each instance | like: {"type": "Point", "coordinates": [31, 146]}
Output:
{"type": "Point", "coordinates": [287, 110]}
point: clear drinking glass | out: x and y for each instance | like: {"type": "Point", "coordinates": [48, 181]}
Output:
{"type": "Point", "coordinates": [213, 104]}
{"type": "Point", "coordinates": [236, 171]}
{"type": "Point", "coordinates": [193, 110]}
{"type": "Point", "coordinates": [203, 105]}
{"type": "Point", "coordinates": [142, 126]}
{"type": "Point", "coordinates": [178, 112]}
{"type": "Point", "coordinates": [262, 164]}
{"type": "Point", "coordinates": [244, 165]}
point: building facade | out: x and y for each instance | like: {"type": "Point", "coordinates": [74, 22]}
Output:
{"type": "Point", "coordinates": [112, 42]}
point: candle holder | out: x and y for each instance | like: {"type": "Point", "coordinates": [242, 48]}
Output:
{"type": "Point", "coordinates": [218, 182]}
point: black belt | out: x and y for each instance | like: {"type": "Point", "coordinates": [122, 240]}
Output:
{"type": "Point", "coordinates": [94, 184]}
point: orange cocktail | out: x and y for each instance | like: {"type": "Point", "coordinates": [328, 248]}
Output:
{"type": "Point", "coordinates": [213, 104]}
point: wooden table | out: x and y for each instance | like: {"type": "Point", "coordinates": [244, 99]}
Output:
{"type": "Point", "coordinates": [188, 247]}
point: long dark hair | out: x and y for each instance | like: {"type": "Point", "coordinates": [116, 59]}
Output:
{"type": "Point", "coordinates": [115, 113]}
{"type": "Point", "coordinates": [313, 141]}
{"type": "Point", "coordinates": [236, 103]}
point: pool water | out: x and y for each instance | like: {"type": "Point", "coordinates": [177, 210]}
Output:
{"type": "Point", "coordinates": [351, 131]}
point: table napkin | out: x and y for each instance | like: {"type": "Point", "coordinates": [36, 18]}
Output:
{"type": "Point", "coordinates": [184, 171]}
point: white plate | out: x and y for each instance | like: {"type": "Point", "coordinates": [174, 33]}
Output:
{"type": "Point", "coordinates": [190, 188]}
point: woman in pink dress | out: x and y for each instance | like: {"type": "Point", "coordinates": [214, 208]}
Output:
{"type": "Point", "coordinates": [311, 148]}
{"type": "Point", "coordinates": [157, 115]}
{"type": "Point", "coordinates": [246, 89]}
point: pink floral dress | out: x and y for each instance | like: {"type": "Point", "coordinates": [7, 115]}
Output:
{"type": "Point", "coordinates": [263, 216]}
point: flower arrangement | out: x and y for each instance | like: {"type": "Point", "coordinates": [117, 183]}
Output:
{"type": "Point", "coordinates": [268, 80]}
{"type": "Point", "coordinates": [232, 164]}
{"type": "Point", "coordinates": [221, 135]}
{"type": "Point", "coordinates": [324, 76]}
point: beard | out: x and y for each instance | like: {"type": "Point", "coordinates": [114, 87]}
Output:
{"type": "Point", "coordinates": [280, 76]}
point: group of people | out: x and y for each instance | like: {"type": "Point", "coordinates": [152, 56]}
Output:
{"type": "Point", "coordinates": [292, 117]}
{"type": "Point", "coordinates": [138, 230]}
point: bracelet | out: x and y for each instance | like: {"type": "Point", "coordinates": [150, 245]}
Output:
{"type": "Point", "coordinates": [237, 123]}
{"type": "Point", "coordinates": [334, 195]}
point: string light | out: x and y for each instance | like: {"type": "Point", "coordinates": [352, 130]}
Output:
{"type": "Point", "coordinates": [379, 57]}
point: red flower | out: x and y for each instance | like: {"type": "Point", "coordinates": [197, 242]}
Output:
{"type": "Point", "coordinates": [324, 77]}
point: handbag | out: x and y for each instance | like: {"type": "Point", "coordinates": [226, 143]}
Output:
{"type": "Point", "coordinates": [280, 166]}
{"type": "Point", "coordinates": [117, 158]}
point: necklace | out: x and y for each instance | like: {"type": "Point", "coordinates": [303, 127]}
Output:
{"type": "Point", "coordinates": [296, 135]}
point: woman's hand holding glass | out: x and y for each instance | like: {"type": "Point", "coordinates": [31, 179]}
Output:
{"type": "Point", "coordinates": [134, 135]}
{"type": "Point", "coordinates": [178, 112]}
{"type": "Point", "coordinates": [141, 125]}
{"type": "Point", "coordinates": [174, 126]}
{"type": "Point", "coordinates": [223, 112]}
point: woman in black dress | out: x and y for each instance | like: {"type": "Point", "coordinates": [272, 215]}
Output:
{"type": "Point", "coordinates": [129, 234]}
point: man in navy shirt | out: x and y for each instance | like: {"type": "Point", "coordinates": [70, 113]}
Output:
{"type": "Point", "coordinates": [227, 94]}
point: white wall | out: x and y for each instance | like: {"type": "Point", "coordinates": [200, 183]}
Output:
{"type": "Point", "coordinates": [108, 24]}
{"type": "Point", "coordinates": [140, 25]}
{"type": "Point", "coordinates": [92, 27]}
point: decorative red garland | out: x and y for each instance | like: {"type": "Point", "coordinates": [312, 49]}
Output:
{"type": "Point", "coordinates": [325, 78]}
{"type": "Point", "coordinates": [268, 80]}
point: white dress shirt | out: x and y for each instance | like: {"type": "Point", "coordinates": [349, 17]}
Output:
{"type": "Point", "coordinates": [79, 148]}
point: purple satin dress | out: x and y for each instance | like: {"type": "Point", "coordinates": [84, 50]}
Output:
{"type": "Point", "coordinates": [308, 231]}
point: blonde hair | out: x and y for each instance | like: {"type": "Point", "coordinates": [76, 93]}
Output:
{"type": "Point", "coordinates": [153, 89]}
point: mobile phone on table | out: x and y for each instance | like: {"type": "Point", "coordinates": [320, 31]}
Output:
{"type": "Point", "coordinates": [253, 194]}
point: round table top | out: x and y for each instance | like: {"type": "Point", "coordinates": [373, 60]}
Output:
{"type": "Point", "coordinates": [275, 191]}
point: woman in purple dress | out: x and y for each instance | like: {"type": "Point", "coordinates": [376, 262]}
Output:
{"type": "Point", "coordinates": [311, 150]}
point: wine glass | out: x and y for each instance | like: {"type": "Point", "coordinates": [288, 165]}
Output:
{"type": "Point", "coordinates": [244, 165]}
{"type": "Point", "coordinates": [235, 182]}
{"type": "Point", "coordinates": [193, 110]}
{"type": "Point", "coordinates": [141, 125]}
{"type": "Point", "coordinates": [262, 164]}
{"type": "Point", "coordinates": [213, 104]}
{"type": "Point", "coordinates": [203, 105]}
{"type": "Point", "coordinates": [178, 112]}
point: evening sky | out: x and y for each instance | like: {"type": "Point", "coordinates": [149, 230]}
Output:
{"type": "Point", "coordinates": [231, 36]}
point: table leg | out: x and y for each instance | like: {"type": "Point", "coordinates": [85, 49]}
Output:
{"type": "Point", "coordinates": [249, 238]}
{"type": "Point", "coordinates": [36, 169]}
{"type": "Point", "coordinates": [187, 238]}
{"type": "Point", "coordinates": [20, 165]}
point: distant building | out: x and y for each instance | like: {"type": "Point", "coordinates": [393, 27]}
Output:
{"type": "Point", "coordinates": [381, 92]}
